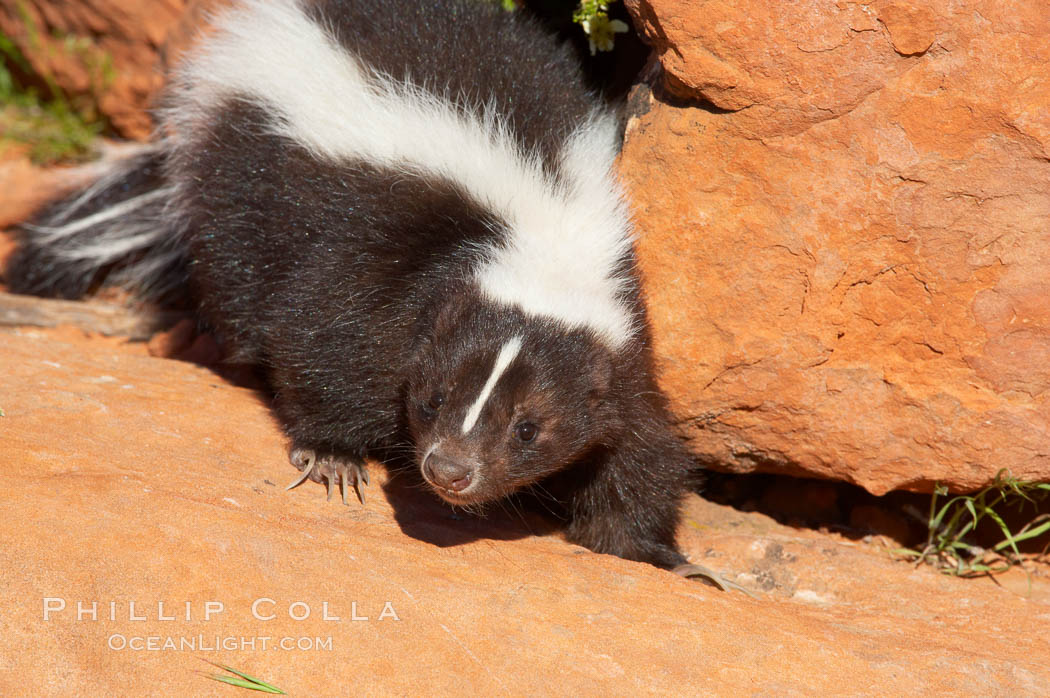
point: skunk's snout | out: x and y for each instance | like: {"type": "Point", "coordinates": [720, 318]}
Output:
{"type": "Point", "coordinates": [444, 473]}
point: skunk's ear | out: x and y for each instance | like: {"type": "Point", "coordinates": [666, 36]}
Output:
{"type": "Point", "coordinates": [447, 310]}
{"type": "Point", "coordinates": [600, 371]}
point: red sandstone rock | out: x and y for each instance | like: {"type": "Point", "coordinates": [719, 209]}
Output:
{"type": "Point", "coordinates": [128, 478]}
{"type": "Point", "coordinates": [106, 50]}
{"type": "Point", "coordinates": [23, 188]}
{"type": "Point", "coordinates": [847, 272]}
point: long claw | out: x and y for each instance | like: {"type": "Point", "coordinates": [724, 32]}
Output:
{"type": "Point", "coordinates": [330, 469]}
{"type": "Point", "coordinates": [690, 570]}
{"type": "Point", "coordinates": [357, 485]}
{"type": "Point", "coordinates": [307, 469]}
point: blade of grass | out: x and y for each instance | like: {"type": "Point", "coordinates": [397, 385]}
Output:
{"type": "Point", "coordinates": [1026, 533]}
{"type": "Point", "coordinates": [244, 680]}
{"type": "Point", "coordinates": [242, 683]}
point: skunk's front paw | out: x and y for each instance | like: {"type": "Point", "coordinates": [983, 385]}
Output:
{"type": "Point", "coordinates": [330, 469]}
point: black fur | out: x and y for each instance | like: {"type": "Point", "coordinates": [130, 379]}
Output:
{"type": "Point", "coordinates": [470, 54]}
{"type": "Point", "coordinates": [351, 286]}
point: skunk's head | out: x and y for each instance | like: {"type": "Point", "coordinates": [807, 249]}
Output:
{"type": "Point", "coordinates": [497, 402]}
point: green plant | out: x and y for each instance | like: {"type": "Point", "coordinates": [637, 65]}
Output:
{"type": "Point", "coordinates": [242, 680]}
{"type": "Point", "coordinates": [949, 544]}
{"type": "Point", "coordinates": [593, 16]}
{"type": "Point", "coordinates": [51, 127]}
{"type": "Point", "coordinates": [507, 5]}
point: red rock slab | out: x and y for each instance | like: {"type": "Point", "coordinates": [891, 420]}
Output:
{"type": "Point", "coordinates": [847, 271]}
{"type": "Point", "coordinates": [129, 478]}
{"type": "Point", "coordinates": [24, 187]}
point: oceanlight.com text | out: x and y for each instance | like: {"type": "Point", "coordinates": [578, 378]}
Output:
{"type": "Point", "coordinates": [215, 643]}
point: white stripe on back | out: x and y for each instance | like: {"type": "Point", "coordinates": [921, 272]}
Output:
{"type": "Point", "coordinates": [503, 360]}
{"type": "Point", "coordinates": [565, 239]}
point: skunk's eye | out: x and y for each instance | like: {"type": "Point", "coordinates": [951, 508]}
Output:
{"type": "Point", "coordinates": [526, 432]}
{"type": "Point", "coordinates": [432, 405]}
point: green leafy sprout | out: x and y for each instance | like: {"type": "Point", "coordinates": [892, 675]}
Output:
{"type": "Point", "coordinates": [949, 543]}
{"type": "Point", "coordinates": [593, 16]}
{"type": "Point", "coordinates": [506, 5]}
{"type": "Point", "coordinates": [48, 122]}
{"type": "Point", "coordinates": [242, 680]}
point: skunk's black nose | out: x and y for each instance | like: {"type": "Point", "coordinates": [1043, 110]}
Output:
{"type": "Point", "coordinates": [448, 474]}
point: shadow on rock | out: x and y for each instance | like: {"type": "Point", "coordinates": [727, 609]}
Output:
{"type": "Point", "coordinates": [422, 515]}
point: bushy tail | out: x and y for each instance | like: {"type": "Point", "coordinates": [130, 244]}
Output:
{"type": "Point", "coordinates": [119, 231]}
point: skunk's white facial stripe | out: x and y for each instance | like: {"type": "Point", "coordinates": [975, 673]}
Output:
{"type": "Point", "coordinates": [503, 360]}
{"type": "Point", "coordinates": [565, 239]}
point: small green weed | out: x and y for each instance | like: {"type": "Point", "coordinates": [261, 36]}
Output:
{"type": "Point", "coordinates": [242, 680]}
{"type": "Point", "coordinates": [949, 544]}
{"type": "Point", "coordinates": [507, 5]}
{"type": "Point", "coordinates": [593, 16]}
{"type": "Point", "coordinates": [49, 125]}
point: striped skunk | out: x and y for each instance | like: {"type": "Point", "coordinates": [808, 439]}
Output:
{"type": "Point", "coordinates": [406, 214]}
